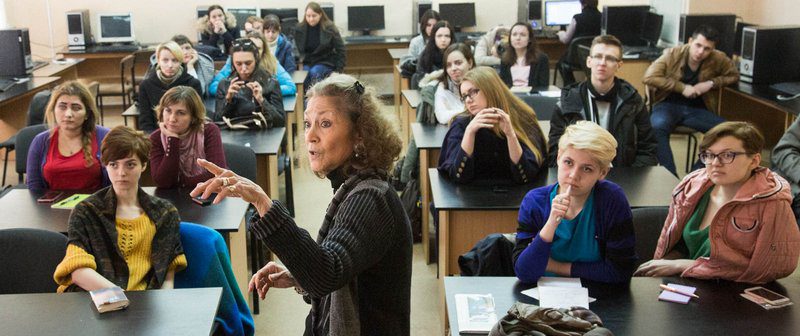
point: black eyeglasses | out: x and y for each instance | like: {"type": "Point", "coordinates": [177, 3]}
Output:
{"type": "Point", "coordinates": [471, 93]}
{"type": "Point", "coordinates": [724, 157]}
{"type": "Point", "coordinates": [243, 43]}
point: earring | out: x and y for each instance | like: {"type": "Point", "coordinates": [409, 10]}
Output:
{"type": "Point", "coordinates": [359, 149]}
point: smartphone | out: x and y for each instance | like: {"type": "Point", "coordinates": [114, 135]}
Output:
{"type": "Point", "coordinates": [768, 295]}
{"type": "Point", "coordinates": [50, 196]}
{"type": "Point", "coordinates": [204, 201]}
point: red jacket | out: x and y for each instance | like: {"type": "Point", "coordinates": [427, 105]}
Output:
{"type": "Point", "coordinates": [754, 237]}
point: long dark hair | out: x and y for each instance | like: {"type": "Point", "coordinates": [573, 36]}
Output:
{"type": "Point", "coordinates": [464, 49]}
{"type": "Point", "coordinates": [531, 53]}
{"type": "Point", "coordinates": [423, 22]}
{"type": "Point", "coordinates": [431, 56]}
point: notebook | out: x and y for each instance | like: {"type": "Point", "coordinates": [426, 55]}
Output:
{"type": "Point", "coordinates": [109, 299]}
{"type": "Point", "coordinates": [476, 313]}
{"type": "Point", "coordinates": [675, 297]}
{"type": "Point", "coordinates": [70, 202]}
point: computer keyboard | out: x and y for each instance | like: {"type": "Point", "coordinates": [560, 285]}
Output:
{"type": "Point", "coordinates": [365, 38]}
{"type": "Point", "coordinates": [6, 83]}
{"type": "Point", "coordinates": [545, 34]}
{"type": "Point", "coordinates": [787, 88]}
{"type": "Point", "coordinates": [115, 48]}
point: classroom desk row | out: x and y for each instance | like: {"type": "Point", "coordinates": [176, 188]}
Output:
{"type": "Point", "coordinates": [635, 310]}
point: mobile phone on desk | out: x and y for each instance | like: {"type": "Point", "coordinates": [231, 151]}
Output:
{"type": "Point", "coordinates": [768, 295]}
{"type": "Point", "coordinates": [204, 201]}
{"type": "Point", "coordinates": [50, 196]}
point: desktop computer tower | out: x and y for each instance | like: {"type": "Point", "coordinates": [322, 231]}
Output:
{"type": "Point", "coordinates": [78, 29]}
{"type": "Point", "coordinates": [419, 8]}
{"type": "Point", "coordinates": [530, 11]}
{"type": "Point", "coordinates": [725, 24]}
{"type": "Point", "coordinates": [15, 53]}
{"type": "Point", "coordinates": [770, 55]}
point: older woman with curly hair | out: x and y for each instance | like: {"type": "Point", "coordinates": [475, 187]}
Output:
{"type": "Point", "coordinates": [357, 275]}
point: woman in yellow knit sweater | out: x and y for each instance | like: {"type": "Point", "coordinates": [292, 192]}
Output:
{"type": "Point", "coordinates": [121, 236]}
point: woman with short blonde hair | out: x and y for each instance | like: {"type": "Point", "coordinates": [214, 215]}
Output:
{"type": "Point", "coordinates": [581, 226]}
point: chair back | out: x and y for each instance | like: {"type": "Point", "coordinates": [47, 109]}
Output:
{"type": "Point", "coordinates": [241, 160]}
{"type": "Point", "coordinates": [37, 108]}
{"type": "Point", "coordinates": [28, 258]}
{"type": "Point", "coordinates": [140, 57]}
{"type": "Point", "coordinates": [647, 224]}
{"type": "Point", "coordinates": [24, 139]}
{"type": "Point", "coordinates": [574, 57]}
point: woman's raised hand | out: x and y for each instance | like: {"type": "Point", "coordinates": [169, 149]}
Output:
{"type": "Point", "coordinates": [271, 275]}
{"type": "Point", "coordinates": [226, 183]}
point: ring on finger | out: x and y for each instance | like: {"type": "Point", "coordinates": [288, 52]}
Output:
{"type": "Point", "coordinates": [232, 188]}
{"type": "Point", "coordinates": [224, 181]}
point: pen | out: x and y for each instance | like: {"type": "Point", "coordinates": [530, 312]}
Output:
{"type": "Point", "coordinates": [674, 290]}
{"type": "Point", "coordinates": [70, 199]}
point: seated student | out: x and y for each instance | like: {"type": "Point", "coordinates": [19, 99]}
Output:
{"type": "Point", "coordinates": [442, 36]}
{"type": "Point", "coordinates": [249, 88]}
{"type": "Point", "coordinates": [182, 137]}
{"type": "Point", "coordinates": [785, 160]}
{"type": "Point", "coordinates": [497, 137]}
{"type": "Point", "coordinates": [198, 64]}
{"type": "Point", "coordinates": [169, 73]}
{"type": "Point", "coordinates": [585, 23]}
{"type": "Point", "coordinates": [491, 46]}
{"type": "Point", "coordinates": [122, 236]}
{"type": "Point", "coordinates": [732, 220]}
{"type": "Point", "coordinates": [582, 225]}
{"type": "Point", "coordinates": [523, 64]}
{"type": "Point", "coordinates": [217, 30]}
{"type": "Point", "coordinates": [267, 61]}
{"type": "Point", "coordinates": [67, 157]}
{"type": "Point", "coordinates": [253, 24]}
{"type": "Point", "coordinates": [610, 102]}
{"type": "Point", "coordinates": [280, 46]}
{"type": "Point", "coordinates": [320, 45]}
{"type": "Point", "coordinates": [447, 101]}
{"type": "Point", "coordinates": [417, 44]}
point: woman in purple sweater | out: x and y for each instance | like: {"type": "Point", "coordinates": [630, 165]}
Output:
{"type": "Point", "coordinates": [182, 137]}
{"type": "Point", "coordinates": [582, 225]}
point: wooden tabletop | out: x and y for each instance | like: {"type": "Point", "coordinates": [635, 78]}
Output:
{"type": "Point", "coordinates": [19, 89]}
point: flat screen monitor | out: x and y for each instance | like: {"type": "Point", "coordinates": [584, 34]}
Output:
{"type": "Point", "coordinates": [725, 24]}
{"type": "Point", "coordinates": [328, 9]}
{"type": "Point", "coordinates": [281, 13]}
{"type": "Point", "coordinates": [652, 28]}
{"type": "Point", "coordinates": [241, 15]}
{"type": "Point", "coordinates": [626, 23]}
{"type": "Point", "coordinates": [115, 27]}
{"type": "Point", "coordinates": [560, 13]}
{"type": "Point", "coordinates": [202, 11]}
{"type": "Point", "coordinates": [458, 14]}
{"type": "Point", "coordinates": [365, 18]}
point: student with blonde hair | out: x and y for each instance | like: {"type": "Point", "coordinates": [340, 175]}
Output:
{"type": "Point", "coordinates": [581, 226]}
{"type": "Point", "coordinates": [169, 73]}
{"type": "Point", "coordinates": [497, 136]}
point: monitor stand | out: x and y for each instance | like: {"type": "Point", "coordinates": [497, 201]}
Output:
{"type": "Point", "coordinates": [366, 32]}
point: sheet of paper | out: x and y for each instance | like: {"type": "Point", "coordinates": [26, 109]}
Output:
{"type": "Point", "coordinates": [555, 282]}
{"type": "Point", "coordinates": [551, 94]}
{"type": "Point", "coordinates": [675, 297]}
{"type": "Point", "coordinates": [563, 297]}
{"type": "Point", "coordinates": [520, 89]}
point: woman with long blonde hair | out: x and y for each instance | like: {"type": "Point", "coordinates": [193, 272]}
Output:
{"type": "Point", "coordinates": [496, 137]}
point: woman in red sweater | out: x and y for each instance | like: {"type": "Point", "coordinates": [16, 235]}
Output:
{"type": "Point", "coordinates": [182, 137]}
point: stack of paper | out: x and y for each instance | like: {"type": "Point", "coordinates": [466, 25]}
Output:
{"type": "Point", "coordinates": [677, 297]}
{"type": "Point", "coordinates": [554, 292]}
{"type": "Point", "coordinates": [476, 313]}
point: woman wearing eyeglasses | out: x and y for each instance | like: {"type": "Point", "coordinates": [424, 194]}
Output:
{"type": "Point", "coordinates": [732, 220]}
{"type": "Point", "coordinates": [496, 137]}
{"type": "Point", "coordinates": [249, 88]}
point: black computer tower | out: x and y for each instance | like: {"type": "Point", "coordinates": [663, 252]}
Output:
{"type": "Point", "coordinates": [15, 53]}
{"type": "Point", "coordinates": [770, 55]}
{"type": "Point", "coordinates": [725, 24]}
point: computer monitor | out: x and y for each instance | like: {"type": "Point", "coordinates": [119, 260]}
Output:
{"type": "Point", "coordinates": [652, 28]}
{"type": "Point", "coordinates": [560, 13]}
{"type": "Point", "coordinates": [241, 15]}
{"type": "Point", "coordinates": [281, 13]}
{"type": "Point", "coordinates": [626, 23]}
{"type": "Point", "coordinates": [365, 18]}
{"type": "Point", "coordinates": [458, 14]}
{"type": "Point", "coordinates": [115, 27]}
{"type": "Point", "coordinates": [725, 24]}
{"type": "Point", "coordinates": [202, 11]}
{"type": "Point", "coordinates": [327, 7]}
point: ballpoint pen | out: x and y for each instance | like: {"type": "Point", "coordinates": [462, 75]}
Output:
{"type": "Point", "coordinates": [675, 290]}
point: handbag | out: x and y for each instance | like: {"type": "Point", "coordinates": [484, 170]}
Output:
{"type": "Point", "coordinates": [256, 121]}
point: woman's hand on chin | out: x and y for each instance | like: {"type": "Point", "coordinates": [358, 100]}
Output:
{"type": "Point", "coordinates": [226, 183]}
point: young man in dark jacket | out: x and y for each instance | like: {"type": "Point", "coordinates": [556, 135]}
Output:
{"type": "Point", "coordinates": [610, 102]}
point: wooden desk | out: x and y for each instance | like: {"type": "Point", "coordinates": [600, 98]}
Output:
{"type": "Point", "coordinates": [189, 311]}
{"type": "Point", "coordinates": [553, 48]}
{"type": "Point", "coordinates": [411, 99]}
{"type": "Point", "coordinates": [66, 70]}
{"type": "Point", "coordinates": [266, 144]}
{"type": "Point", "coordinates": [298, 77]}
{"type": "Point", "coordinates": [632, 71]}
{"type": "Point", "coordinates": [371, 56]}
{"type": "Point", "coordinates": [399, 83]}
{"type": "Point", "coordinates": [758, 105]}
{"type": "Point", "coordinates": [429, 142]}
{"type": "Point", "coordinates": [469, 212]}
{"type": "Point", "coordinates": [14, 104]}
{"type": "Point", "coordinates": [635, 310]}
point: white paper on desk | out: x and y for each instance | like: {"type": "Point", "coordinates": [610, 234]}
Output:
{"type": "Point", "coordinates": [520, 89]}
{"type": "Point", "coordinates": [563, 297]}
{"type": "Point", "coordinates": [555, 282]}
{"type": "Point", "coordinates": [551, 94]}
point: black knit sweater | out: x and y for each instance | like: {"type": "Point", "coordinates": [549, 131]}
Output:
{"type": "Point", "coordinates": [358, 272]}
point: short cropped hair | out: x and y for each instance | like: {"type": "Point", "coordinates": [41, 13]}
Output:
{"type": "Point", "coordinates": [752, 140]}
{"type": "Point", "coordinates": [610, 40]}
{"type": "Point", "coordinates": [710, 33]}
{"type": "Point", "coordinates": [589, 3]}
{"type": "Point", "coordinates": [122, 142]}
{"type": "Point", "coordinates": [588, 136]}
{"type": "Point", "coordinates": [173, 48]}
{"type": "Point", "coordinates": [189, 97]}
{"type": "Point", "coordinates": [181, 40]}
{"type": "Point", "coordinates": [360, 104]}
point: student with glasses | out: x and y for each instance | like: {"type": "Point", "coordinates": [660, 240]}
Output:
{"type": "Point", "coordinates": [496, 137]}
{"type": "Point", "coordinates": [609, 101]}
{"type": "Point", "coordinates": [732, 220]}
{"type": "Point", "coordinates": [249, 88]}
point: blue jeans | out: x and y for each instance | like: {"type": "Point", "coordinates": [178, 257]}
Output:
{"type": "Point", "coordinates": [316, 73]}
{"type": "Point", "coordinates": [666, 116]}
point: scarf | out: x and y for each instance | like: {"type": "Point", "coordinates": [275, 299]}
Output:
{"type": "Point", "coordinates": [273, 46]}
{"type": "Point", "coordinates": [191, 148]}
{"type": "Point", "coordinates": [167, 81]}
